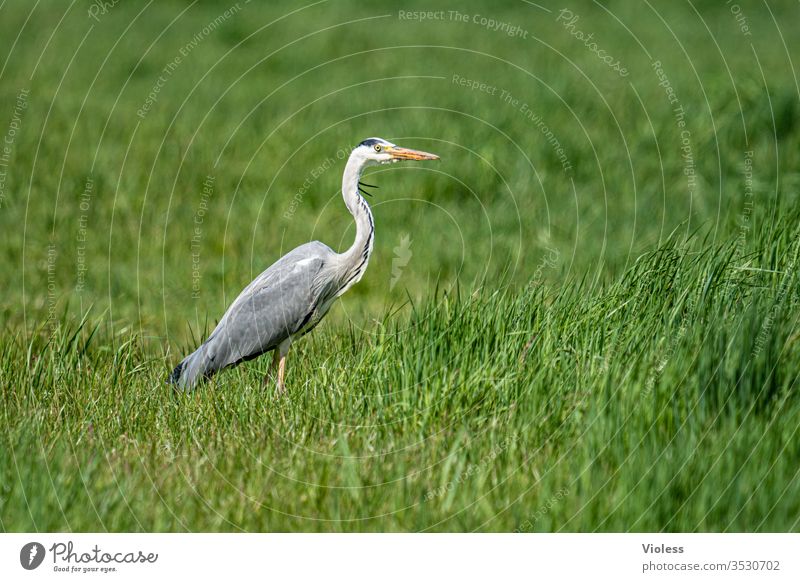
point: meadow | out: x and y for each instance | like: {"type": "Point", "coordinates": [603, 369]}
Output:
{"type": "Point", "coordinates": [583, 318]}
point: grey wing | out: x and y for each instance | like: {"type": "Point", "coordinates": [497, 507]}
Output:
{"type": "Point", "coordinates": [271, 309]}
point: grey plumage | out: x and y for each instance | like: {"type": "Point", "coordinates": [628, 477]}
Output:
{"type": "Point", "coordinates": [291, 297]}
{"type": "Point", "coordinates": [282, 301]}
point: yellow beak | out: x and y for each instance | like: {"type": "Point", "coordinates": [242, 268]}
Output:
{"type": "Point", "coordinates": [407, 154]}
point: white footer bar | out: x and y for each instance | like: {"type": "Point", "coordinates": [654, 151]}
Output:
{"type": "Point", "coordinates": [401, 557]}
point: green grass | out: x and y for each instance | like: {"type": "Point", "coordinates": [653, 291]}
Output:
{"type": "Point", "coordinates": [610, 348]}
{"type": "Point", "coordinates": [666, 400]}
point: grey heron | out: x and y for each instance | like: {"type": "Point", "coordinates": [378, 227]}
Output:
{"type": "Point", "coordinates": [291, 297]}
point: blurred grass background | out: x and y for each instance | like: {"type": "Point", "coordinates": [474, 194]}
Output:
{"type": "Point", "coordinates": [274, 91]}
{"type": "Point", "coordinates": [263, 97]}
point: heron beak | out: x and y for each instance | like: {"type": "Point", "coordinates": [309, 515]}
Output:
{"type": "Point", "coordinates": [407, 154]}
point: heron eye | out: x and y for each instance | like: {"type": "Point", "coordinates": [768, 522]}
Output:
{"type": "Point", "coordinates": [377, 148]}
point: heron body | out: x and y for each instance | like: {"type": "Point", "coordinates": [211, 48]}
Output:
{"type": "Point", "coordinates": [292, 296]}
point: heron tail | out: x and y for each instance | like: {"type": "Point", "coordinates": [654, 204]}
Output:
{"type": "Point", "coordinates": [195, 367]}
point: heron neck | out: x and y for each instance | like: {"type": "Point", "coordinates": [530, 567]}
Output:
{"type": "Point", "coordinates": [356, 257]}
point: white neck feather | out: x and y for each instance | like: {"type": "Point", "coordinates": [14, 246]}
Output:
{"type": "Point", "coordinates": [355, 259]}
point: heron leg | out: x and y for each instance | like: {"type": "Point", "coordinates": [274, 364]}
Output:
{"type": "Point", "coordinates": [280, 355]}
{"type": "Point", "coordinates": [273, 368]}
{"type": "Point", "coordinates": [281, 375]}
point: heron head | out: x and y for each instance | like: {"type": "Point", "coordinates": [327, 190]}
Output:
{"type": "Point", "coordinates": [379, 151]}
